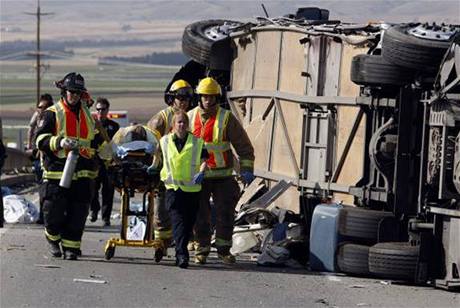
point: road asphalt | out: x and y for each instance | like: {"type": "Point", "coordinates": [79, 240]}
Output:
{"type": "Point", "coordinates": [29, 277]}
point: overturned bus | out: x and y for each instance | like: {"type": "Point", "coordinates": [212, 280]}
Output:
{"type": "Point", "coordinates": [362, 122]}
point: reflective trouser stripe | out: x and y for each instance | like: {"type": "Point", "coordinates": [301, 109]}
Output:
{"type": "Point", "coordinates": [70, 244]}
{"type": "Point", "coordinates": [222, 243]}
{"type": "Point", "coordinates": [163, 235]}
{"type": "Point", "coordinates": [57, 175]}
{"type": "Point", "coordinates": [53, 238]}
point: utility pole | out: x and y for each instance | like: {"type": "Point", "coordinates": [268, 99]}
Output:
{"type": "Point", "coordinates": [38, 65]}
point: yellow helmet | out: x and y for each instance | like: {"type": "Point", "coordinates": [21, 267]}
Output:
{"type": "Point", "coordinates": [181, 87]}
{"type": "Point", "coordinates": [208, 86]}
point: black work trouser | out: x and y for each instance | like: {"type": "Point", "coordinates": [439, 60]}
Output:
{"type": "Point", "coordinates": [225, 194]}
{"type": "Point", "coordinates": [104, 181]}
{"type": "Point", "coordinates": [182, 207]}
{"type": "Point", "coordinates": [65, 211]}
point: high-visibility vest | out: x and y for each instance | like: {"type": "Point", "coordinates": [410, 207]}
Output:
{"type": "Point", "coordinates": [68, 125]}
{"type": "Point", "coordinates": [179, 168]}
{"type": "Point", "coordinates": [82, 128]}
{"type": "Point", "coordinates": [212, 132]}
{"type": "Point", "coordinates": [167, 115]}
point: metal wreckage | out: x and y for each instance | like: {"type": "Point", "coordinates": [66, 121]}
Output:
{"type": "Point", "coordinates": [356, 130]}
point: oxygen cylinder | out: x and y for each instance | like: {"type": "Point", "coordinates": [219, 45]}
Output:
{"type": "Point", "coordinates": [69, 168]}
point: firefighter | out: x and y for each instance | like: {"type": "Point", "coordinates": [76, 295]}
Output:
{"type": "Point", "coordinates": [219, 129]}
{"type": "Point", "coordinates": [178, 97]}
{"type": "Point", "coordinates": [184, 162]}
{"type": "Point", "coordinates": [67, 126]}
{"type": "Point", "coordinates": [104, 178]}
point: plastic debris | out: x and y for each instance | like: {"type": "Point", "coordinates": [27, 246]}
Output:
{"type": "Point", "coordinates": [89, 281]}
{"type": "Point", "coordinates": [6, 191]}
{"type": "Point", "coordinates": [242, 242]}
{"type": "Point", "coordinates": [273, 255]}
{"type": "Point", "coordinates": [333, 278]}
{"type": "Point", "coordinates": [137, 227]}
{"type": "Point", "coordinates": [18, 209]}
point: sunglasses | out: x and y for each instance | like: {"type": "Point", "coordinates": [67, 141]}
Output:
{"type": "Point", "coordinates": [101, 109]}
{"type": "Point", "coordinates": [183, 97]}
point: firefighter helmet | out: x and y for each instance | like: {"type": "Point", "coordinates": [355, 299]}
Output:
{"type": "Point", "coordinates": [208, 86]}
{"type": "Point", "coordinates": [181, 87]}
{"type": "Point", "coordinates": [72, 82]}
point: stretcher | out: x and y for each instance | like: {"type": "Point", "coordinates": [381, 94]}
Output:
{"type": "Point", "coordinates": [131, 177]}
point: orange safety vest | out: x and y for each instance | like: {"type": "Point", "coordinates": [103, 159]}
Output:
{"type": "Point", "coordinates": [217, 145]}
{"type": "Point", "coordinates": [82, 128]}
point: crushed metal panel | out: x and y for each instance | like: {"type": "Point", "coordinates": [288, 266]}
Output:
{"type": "Point", "coordinates": [249, 192]}
{"type": "Point", "coordinates": [270, 196]}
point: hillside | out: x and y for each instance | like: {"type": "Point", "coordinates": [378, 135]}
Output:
{"type": "Point", "coordinates": [108, 19]}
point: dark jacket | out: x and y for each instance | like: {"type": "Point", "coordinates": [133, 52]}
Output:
{"type": "Point", "coordinates": [50, 162]}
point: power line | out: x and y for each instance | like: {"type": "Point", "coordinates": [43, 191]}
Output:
{"type": "Point", "coordinates": [38, 65]}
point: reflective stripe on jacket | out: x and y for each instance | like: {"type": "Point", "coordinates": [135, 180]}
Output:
{"type": "Point", "coordinates": [167, 115]}
{"type": "Point", "coordinates": [212, 132]}
{"type": "Point", "coordinates": [179, 168]}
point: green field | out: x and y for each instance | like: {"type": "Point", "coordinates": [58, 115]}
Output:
{"type": "Point", "coordinates": [18, 82]}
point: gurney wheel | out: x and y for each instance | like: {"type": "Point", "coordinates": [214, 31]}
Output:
{"type": "Point", "coordinates": [109, 252]}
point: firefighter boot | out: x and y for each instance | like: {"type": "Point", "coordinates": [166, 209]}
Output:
{"type": "Point", "coordinates": [54, 249]}
{"type": "Point", "coordinates": [227, 258]}
{"type": "Point", "coordinates": [201, 253]}
{"type": "Point", "coordinates": [159, 254]}
{"type": "Point", "coordinates": [161, 249]}
{"type": "Point", "coordinates": [182, 261]}
{"type": "Point", "coordinates": [200, 259]}
{"type": "Point", "coordinates": [71, 253]}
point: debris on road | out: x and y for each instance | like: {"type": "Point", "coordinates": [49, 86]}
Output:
{"type": "Point", "coordinates": [15, 247]}
{"type": "Point", "coordinates": [18, 209]}
{"type": "Point", "coordinates": [47, 265]}
{"type": "Point", "coordinates": [95, 276]}
{"type": "Point", "coordinates": [90, 281]}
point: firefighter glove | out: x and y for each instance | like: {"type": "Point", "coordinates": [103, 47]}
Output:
{"type": "Point", "coordinates": [247, 176]}
{"type": "Point", "coordinates": [68, 144]}
{"type": "Point", "coordinates": [198, 178]}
